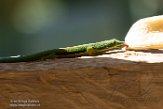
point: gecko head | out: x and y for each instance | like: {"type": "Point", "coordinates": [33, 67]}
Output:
{"type": "Point", "coordinates": [116, 42]}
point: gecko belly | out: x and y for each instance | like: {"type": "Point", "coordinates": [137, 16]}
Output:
{"type": "Point", "coordinates": [145, 34]}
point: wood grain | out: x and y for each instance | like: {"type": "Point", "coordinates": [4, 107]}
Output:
{"type": "Point", "coordinates": [112, 81]}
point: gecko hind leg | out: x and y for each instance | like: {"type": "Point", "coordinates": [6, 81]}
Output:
{"type": "Point", "coordinates": [91, 51]}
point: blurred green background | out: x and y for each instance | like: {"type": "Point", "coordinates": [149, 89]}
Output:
{"type": "Point", "coordinates": [29, 26]}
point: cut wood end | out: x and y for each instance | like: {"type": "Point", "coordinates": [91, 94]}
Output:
{"type": "Point", "coordinates": [146, 33]}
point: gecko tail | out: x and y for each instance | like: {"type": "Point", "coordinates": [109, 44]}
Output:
{"type": "Point", "coordinates": [13, 59]}
{"type": "Point", "coordinates": [10, 59]}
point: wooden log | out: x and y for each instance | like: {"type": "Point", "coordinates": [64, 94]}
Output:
{"type": "Point", "coordinates": [117, 80]}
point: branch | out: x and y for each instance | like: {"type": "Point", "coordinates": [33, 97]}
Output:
{"type": "Point", "coordinates": [114, 80]}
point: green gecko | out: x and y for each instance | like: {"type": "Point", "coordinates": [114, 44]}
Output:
{"type": "Point", "coordinates": [90, 49]}
{"type": "Point", "coordinates": [145, 34]}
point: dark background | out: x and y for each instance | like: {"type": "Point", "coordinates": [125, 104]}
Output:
{"type": "Point", "coordinates": [29, 26]}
